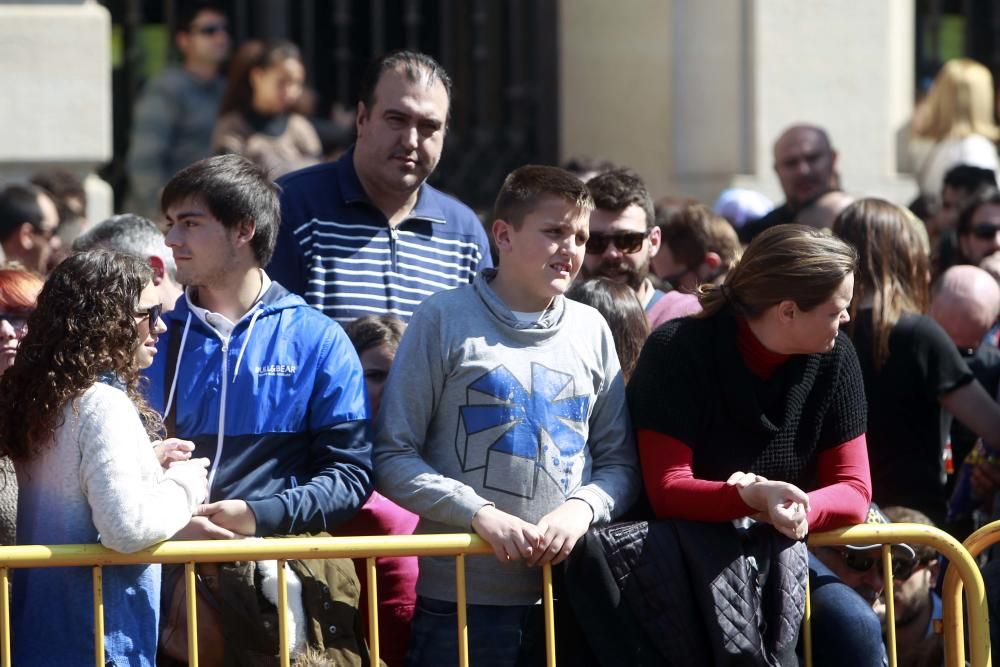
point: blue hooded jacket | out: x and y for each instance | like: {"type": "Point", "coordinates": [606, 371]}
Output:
{"type": "Point", "coordinates": [279, 408]}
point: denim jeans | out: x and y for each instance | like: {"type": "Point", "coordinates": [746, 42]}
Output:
{"type": "Point", "coordinates": [498, 636]}
{"type": "Point", "coordinates": [845, 629]}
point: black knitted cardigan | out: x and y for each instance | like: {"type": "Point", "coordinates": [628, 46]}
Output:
{"type": "Point", "coordinates": [692, 384]}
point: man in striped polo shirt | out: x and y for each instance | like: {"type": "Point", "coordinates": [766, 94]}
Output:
{"type": "Point", "coordinates": [365, 234]}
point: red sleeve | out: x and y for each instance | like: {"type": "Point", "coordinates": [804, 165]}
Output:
{"type": "Point", "coordinates": [845, 486]}
{"type": "Point", "coordinates": [672, 489]}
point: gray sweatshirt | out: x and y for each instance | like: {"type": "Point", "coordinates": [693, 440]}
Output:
{"type": "Point", "coordinates": [480, 408]}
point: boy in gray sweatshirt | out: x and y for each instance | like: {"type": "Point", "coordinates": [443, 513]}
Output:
{"type": "Point", "coordinates": [505, 413]}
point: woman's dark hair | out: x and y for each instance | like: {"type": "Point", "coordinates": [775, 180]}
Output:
{"type": "Point", "coordinates": [238, 95]}
{"type": "Point", "coordinates": [785, 262]}
{"type": "Point", "coordinates": [622, 311]}
{"type": "Point", "coordinates": [83, 326]}
{"type": "Point", "coordinates": [374, 330]}
{"type": "Point", "coordinates": [893, 265]}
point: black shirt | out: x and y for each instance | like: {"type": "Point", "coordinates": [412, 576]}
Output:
{"type": "Point", "coordinates": [907, 427]}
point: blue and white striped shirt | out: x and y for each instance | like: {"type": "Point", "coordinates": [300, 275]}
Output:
{"type": "Point", "coordinates": [336, 249]}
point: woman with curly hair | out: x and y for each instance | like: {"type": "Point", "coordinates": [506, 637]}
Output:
{"type": "Point", "coordinates": [78, 431]}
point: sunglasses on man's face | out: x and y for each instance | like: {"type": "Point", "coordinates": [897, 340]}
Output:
{"type": "Point", "coordinates": [986, 231]}
{"type": "Point", "coordinates": [902, 568]}
{"type": "Point", "coordinates": [210, 29]}
{"type": "Point", "coordinates": [152, 313]}
{"type": "Point", "coordinates": [626, 242]}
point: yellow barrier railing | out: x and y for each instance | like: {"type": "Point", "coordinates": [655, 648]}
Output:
{"type": "Point", "coordinates": [188, 553]}
{"type": "Point", "coordinates": [962, 568]}
{"type": "Point", "coordinates": [975, 544]}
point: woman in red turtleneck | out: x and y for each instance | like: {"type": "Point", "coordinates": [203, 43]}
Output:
{"type": "Point", "coordinates": [742, 409]}
{"type": "Point", "coordinates": [756, 406]}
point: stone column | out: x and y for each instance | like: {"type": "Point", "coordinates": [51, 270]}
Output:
{"type": "Point", "coordinates": [56, 82]}
{"type": "Point", "coordinates": [693, 94]}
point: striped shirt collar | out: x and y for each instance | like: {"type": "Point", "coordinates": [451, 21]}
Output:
{"type": "Point", "coordinates": [427, 208]}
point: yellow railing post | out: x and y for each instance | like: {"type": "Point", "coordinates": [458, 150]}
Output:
{"type": "Point", "coordinates": [463, 625]}
{"type": "Point", "coordinates": [5, 617]}
{"type": "Point", "coordinates": [372, 609]}
{"type": "Point", "coordinates": [807, 637]}
{"type": "Point", "coordinates": [283, 615]}
{"type": "Point", "coordinates": [98, 616]}
{"type": "Point", "coordinates": [890, 604]}
{"type": "Point", "coordinates": [191, 599]}
{"type": "Point", "coordinates": [550, 616]}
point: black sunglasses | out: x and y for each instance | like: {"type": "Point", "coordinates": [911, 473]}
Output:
{"type": "Point", "coordinates": [626, 242]}
{"type": "Point", "coordinates": [152, 313]}
{"type": "Point", "coordinates": [986, 230]}
{"type": "Point", "coordinates": [210, 29]}
{"type": "Point", "coordinates": [19, 323]}
{"type": "Point", "coordinates": [902, 568]}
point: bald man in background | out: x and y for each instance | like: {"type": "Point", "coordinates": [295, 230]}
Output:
{"type": "Point", "coordinates": [805, 163]}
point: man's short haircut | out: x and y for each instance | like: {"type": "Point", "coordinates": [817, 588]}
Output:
{"type": "Point", "coordinates": [616, 190]}
{"type": "Point", "coordinates": [130, 234]}
{"type": "Point", "coordinates": [982, 197]}
{"type": "Point", "coordinates": [62, 185]}
{"type": "Point", "coordinates": [582, 165]}
{"type": "Point", "coordinates": [235, 190]}
{"type": "Point", "coordinates": [526, 186]}
{"type": "Point", "coordinates": [18, 205]}
{"type": "Point", "coordinates": [417, 67]}
{"type": "Point", "coordinates": [694, 231]}
{"type": "Point", "coordinates": [968, 179]}
{"type": "Point", "coordinates": [899, 514]}
{"type": "Point", "coordinates": [189, 11]}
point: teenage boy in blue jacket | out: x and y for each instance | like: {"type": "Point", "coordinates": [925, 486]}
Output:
{"type": "Point", "coordinates": [266, 387]}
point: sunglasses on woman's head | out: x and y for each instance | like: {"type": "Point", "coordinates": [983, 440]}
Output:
{"type": "Point", "coordinates": [626, 242]}
{"type": "Point", "coordinates": [858, 561]}
{"type": "Point", "coordinates": [152, 313]}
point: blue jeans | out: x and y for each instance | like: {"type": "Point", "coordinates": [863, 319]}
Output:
{"type": "Point", "coordinates": [498, 636]}
{"type": "Point", "coordinates": [845, 629]}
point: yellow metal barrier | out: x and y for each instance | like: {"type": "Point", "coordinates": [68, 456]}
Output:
{"type": "Point", "coordinates": [975, 544]}
{"type": "Point", "coordinates": [962, 569]}
{"type": "Point", "coordinates": [460, 545]}
{"type": "Point", "coordinates": [280, 549]}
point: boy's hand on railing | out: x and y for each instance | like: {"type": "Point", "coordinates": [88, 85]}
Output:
{"type": "Point", "coordinates": [511, 538]}
{"type": "Point", "coordinates": [781, 504]}
{"type": "Point", "coordinates": [561, 529]}
{"type": "Point", "coordinates": [172, 449]}
{"type": "Point", "coordinates": [234, 515]}
{"type": "Point", "coordinates": [200, 528]}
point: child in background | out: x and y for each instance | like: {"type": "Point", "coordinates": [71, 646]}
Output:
{"type": "Point", "coordinates": [375, 338]}
{"type": "Point", "coordinates": [505, 413]}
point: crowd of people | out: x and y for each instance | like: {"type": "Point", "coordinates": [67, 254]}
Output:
{"type": "Point", "coordinates": [661, 397]}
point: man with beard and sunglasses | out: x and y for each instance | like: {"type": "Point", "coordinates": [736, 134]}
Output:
{"type": "Point", "coordinates": [365, 235]}
{"type": "Point", "coordinates": [623, 240]}
{"type": "Point", "coordinates": [849, 579]}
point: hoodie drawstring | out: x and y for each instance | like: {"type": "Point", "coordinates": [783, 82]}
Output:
{"type": "Point", "coordinates": [177, 366]}
{"type": "Point", "coordinates": [246, 340]}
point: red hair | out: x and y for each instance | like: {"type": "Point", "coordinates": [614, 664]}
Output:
{"type": "Point", "coordinates": [18, 289]}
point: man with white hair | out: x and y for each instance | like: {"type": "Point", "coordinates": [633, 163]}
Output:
{"type": "Point", "coordinates": [136, 235]}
